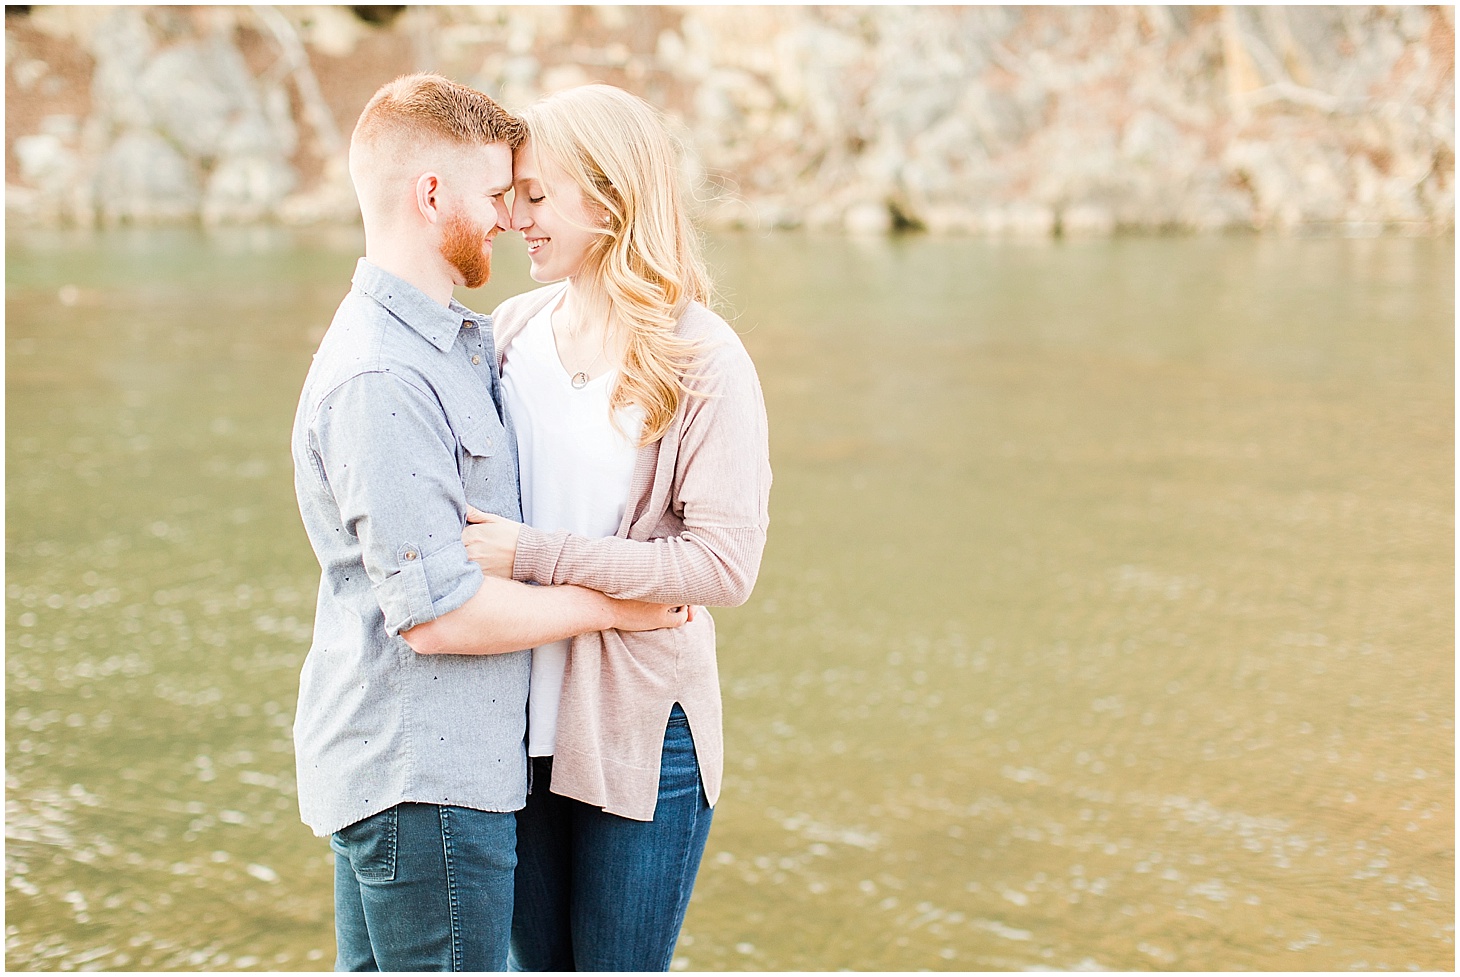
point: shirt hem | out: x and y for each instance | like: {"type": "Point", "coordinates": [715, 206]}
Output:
{"type": "Point", "coordinates": [325, 833]}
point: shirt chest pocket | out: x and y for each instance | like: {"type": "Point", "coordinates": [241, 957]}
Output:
{"type": "Point", "coordinates": [486, 458]}
{"type": "Point", "coordinates": [477, 448]}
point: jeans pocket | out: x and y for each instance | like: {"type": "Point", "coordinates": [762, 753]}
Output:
{"type": "Point", "coordinates": [370, 845]}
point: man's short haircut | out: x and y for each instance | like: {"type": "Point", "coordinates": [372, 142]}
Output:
{"type": "Point", "coordinates": [428, 106]}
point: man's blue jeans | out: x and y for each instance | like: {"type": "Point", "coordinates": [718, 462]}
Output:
{"type": "Point", "coordinates": [424, 887]}
{"type": "Point", "coordinates": [599, 892]}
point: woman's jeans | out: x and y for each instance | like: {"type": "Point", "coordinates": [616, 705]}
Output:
{"type": "Point", "coordinates": [596, 891]}
{"type": "Point", "coordinates": [424, 887]}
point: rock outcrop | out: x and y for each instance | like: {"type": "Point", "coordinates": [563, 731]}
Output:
{"type": "Point", "coordinates": [993, 120]}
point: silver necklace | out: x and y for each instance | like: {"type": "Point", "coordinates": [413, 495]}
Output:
{"type": "Point", "coordinates": [579, 380]}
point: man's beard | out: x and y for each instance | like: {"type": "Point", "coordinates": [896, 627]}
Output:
{"type": "Point", "coordinates": [461, 245]}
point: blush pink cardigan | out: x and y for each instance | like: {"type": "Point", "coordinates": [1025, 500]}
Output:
{"type": "Point", "coordinates": [692, 533]}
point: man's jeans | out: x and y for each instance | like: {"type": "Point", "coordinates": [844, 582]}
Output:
{"type": "Point", "coordinates": [596, 891]}
{"type": "Point", "coordinates": [424, 887]}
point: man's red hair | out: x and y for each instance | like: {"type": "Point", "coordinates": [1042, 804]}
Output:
{"type": "Point", "coordinates": [429, 106]}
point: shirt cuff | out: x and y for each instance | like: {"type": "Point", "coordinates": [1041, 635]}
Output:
{"type": "Point", "coordinates": [424, 588]}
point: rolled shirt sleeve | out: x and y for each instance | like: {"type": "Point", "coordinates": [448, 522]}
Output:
{"type": "Point", "coordinates": [390, 459]}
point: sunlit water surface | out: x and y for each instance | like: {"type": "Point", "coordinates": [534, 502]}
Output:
{"type": "Point", "coordinates": [1106, 620]}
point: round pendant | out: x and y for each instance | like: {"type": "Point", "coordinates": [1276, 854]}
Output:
{"type": "Point", "coordinates": [580, 380]}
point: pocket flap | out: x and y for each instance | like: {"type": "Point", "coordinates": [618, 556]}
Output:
{"type": "Point", "coordinates": [478, 439]}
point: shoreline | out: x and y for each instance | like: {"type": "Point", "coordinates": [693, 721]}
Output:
{"type": "Point", "coordinates": [1024, 122]}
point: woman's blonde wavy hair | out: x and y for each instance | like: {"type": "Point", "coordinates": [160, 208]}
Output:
{"type": "Point", "coordinates": [645, 266]}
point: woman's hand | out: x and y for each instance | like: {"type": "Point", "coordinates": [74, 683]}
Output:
{"type": "Point", "coordinates": [491, 542]}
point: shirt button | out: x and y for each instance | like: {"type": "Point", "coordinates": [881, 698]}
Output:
{"type": "Point", "coordinates": [410, 554]}
{"type": "Point", "coordinates": [468, 324]}
{"type": "Point", "coordinates": [476, 360]}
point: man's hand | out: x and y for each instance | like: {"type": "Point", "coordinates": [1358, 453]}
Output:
{"type": "Point", "coordinates": [491, 543]}
{"type": "Point", "coordinates": [637, 615]}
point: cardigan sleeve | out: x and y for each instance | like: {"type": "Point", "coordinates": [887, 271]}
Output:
{"type": "Point", "coordinates": [722, 479]}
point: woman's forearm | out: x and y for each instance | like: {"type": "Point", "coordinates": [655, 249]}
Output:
{"type": "Point", "coordinates": [714, 567]}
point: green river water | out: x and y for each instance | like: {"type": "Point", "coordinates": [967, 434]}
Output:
{"type": "Point", "coordinates": [1107, 618]}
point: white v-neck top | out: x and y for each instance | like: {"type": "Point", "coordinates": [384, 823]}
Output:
{"type": "Point", "coordinates": [576, 469]}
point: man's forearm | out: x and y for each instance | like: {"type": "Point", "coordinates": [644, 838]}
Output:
{"type": "Point", "coordinates": [505, 616]}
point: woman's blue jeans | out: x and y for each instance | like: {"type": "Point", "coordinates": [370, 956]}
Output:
{"type": "Point", "coordinates": [424, 887]}
{"type": "Point", "coordinates": [596, 891]}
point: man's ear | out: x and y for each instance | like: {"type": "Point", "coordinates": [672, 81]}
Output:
{"type": "Point", "coordinates": [428, 189]}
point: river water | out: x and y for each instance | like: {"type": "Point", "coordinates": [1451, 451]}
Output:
{"type": "Point", "coordinates": [1107, 619]}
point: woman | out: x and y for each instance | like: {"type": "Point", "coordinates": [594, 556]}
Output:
{"type": "Point", "coordinates": [645, 473]}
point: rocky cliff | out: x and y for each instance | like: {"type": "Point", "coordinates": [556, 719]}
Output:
{"type": "Point", "coordinates": [1029, 120]}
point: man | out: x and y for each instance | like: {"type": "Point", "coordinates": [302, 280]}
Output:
{"type": "Point", "coordinates": [409, 732]}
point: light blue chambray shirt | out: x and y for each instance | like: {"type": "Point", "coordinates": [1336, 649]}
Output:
{"type": "Point", "coordinates": [398, 428]}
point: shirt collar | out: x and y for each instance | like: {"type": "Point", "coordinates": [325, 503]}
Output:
{"type": "Point", "coordinates": [438, 324]}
